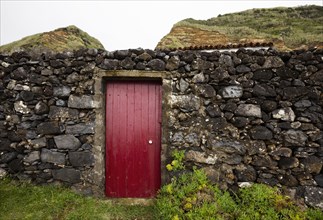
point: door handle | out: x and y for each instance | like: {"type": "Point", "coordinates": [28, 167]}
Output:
{"type": "Point", "coordinates": [150, 142]}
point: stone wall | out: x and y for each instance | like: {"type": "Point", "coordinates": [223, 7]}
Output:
{"type": "Point", "coordinates": [245, 116]}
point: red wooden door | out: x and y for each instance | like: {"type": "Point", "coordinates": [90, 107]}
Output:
{"type": "Point", "coordinates": [133, 132]}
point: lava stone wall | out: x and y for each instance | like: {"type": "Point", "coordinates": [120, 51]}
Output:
{"type": "Point", "coordinates": [245, 116]}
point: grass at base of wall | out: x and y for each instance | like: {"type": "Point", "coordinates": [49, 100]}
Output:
{"type": "Point", "coordinates": [25, 201]}
{"type": "Point", "coordinates": [185, 198]}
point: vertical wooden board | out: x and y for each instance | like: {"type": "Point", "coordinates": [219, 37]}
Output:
{"type": "Point", "coordinates": [133, 111]}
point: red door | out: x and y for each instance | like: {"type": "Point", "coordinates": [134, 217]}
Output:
{"type": "Point", "coordinates": [133, 119]}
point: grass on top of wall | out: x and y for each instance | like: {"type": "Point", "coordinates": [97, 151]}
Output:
{"type": "Point", "coordinates": [21, 200]}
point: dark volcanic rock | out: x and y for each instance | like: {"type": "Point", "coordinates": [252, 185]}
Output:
{"type": "Point", "coordinates": [172, 63]}
{"type": "Point", "coordinates": [261, 133]}
{"type": "Point", "coordinates": [285, 73]}
{"type": "Point", "coordinates": [109, 64]}
{"type": "Point", "coordinates": [48, 156]}
{"type": "Point", "coordinates": [262, 75]}
{"type": "Point", "coordinates": [246, 174]}
{"type": "Point", "coordinates": [295, 138]}
{"type": "Point", "coordinates": [284, 152]}
{"type": "Point", "coordinates": [41, 108]}
{"type": "Point", "coordinates": [127, 63]}
{"type": "Point", "coordinates": [80, 129]}
{"type": "Point", "coordinates": [157, 64]}
{"type": "Point", "coordinates": [26, 96]}
{"type": "Point", "coordinates": [318, 76]}
{"type": "Point", "coordinates": [214, 110]}
{"type": "Point", "coordinates": [226, 146]}
{"type": "Point", "coordinates": [81, 159]}
{"type": "Point", "coordinates": [288, 180]}
{"type": "Point", "coordinates": [7, 157]}
{"type": "Point", "coordinates": [263, 161]}
{"type": "Point", "coordinates": [206, 91]}
{"type": "Point", "coordinates": [121, 54]}
{"type": "Point", "coordinates": [69, 175]}
{"type": "Point", "coordinates": [240, 122]}
{"type": "Point", "coordinates": [314, 196]}
{"type": "Point", "coordinates": [49, 128]}
{"type": "Point", "coordinates": [313, 164]}
{"type": "Point", "coordinates": [19, 74]}
{"type": "Point", "coordinates": [242, 69]}
{"type": "Point", "coordinates": [288, 163]}
{"type": "Point", "coordinates": [67, 142]}
{"type": "Point", "coordinates": [4, 144]}
{"type": "Point", "coordinates": [294, 92]}
{"type": "Point", "coordinates": [269, 106]}
{"type": "Point", "coordinates": [264, 90]}
{"type": "Point", "coordinates": [319, 180]}
{"type": "Point", "coordinates": [15, 166]}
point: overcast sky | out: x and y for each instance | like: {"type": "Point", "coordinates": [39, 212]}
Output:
{"type": "Point", "coordinates": [117, 24]}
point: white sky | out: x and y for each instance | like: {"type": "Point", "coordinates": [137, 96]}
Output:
{"type": "Point", "coordinates": [117, 24]}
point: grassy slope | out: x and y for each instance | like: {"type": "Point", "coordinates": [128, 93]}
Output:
{"type": "Point", "coordinates": [295, 26]}
{"type": "Point", "coordinates": [25, 201]}
{"type": "Point", "coordinates": [62, 39]}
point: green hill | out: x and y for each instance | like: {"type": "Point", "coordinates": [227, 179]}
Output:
{"type": "Point", "coordinates": [59, 40]}
{"type": "Point", "coordinates": [288, 28]}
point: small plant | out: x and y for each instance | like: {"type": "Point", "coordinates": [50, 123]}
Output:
{"type": "Point", "coordinates": [177, 162]}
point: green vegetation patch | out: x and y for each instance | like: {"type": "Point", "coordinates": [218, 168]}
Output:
{"type": "Point", "coordinates": [25, 201]}
{"type": "Point", "coordinates": [191, 196]}
{"type": "Point", "coordinates": [294, 26]}
{"type": "Point", "coordinates": [62, 39]}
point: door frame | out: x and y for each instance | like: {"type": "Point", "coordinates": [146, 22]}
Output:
{"type": "Point", "coordinates": [100, 79]}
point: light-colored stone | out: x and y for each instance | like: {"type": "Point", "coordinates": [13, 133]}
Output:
{"type": "Point", "coordinates": [248, 110]}
{"type": "Point", "coordinates": [32, 157]}
{"type": "Point", "coordinates": [198, 78]}
{"type": "Point", "coordinates": [273, 62]}
{"type": "Point", "coordinates": [82, 102]}
{"type": "Point", "coordinates": [200, 157]}
{"type": "Point", "coordinates": [3, 173]}
{"type": "Point", "coordinates": [285, 114]}
{"type": "Point", "coordinates": [183, 85]}
{"type": "Point", "coordinates": [186, 103]}
{"type": "Point", "coordinates": [21, 107]}
{"type": "Point", "coordinates": [63, 91]}
{"type": "Point", "coordinates": [232, 92]}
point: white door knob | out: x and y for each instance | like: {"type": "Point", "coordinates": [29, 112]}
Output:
{"type": "Point", "coordinates": [150, 142]}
